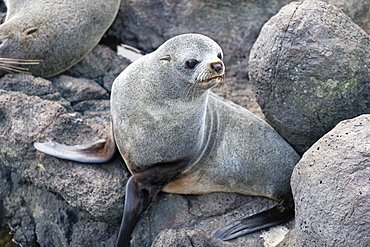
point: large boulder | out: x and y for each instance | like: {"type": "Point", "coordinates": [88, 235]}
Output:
{"type": "Point", "coordinates": [331, 187]}
{"type": "Point", "coordinates": [310, 70]}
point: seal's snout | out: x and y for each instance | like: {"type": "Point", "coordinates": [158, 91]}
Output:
{"type": "Point", "coordinates": [218, 67]}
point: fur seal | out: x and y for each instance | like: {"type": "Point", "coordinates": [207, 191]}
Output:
{"type": "Point", "coordinates": [177, 136]}
{"type": "Point", "coordinates": [46, 38]}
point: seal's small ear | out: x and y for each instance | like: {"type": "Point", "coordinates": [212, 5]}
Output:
{"type": "Point", "coordinates": [30, 30]}
{"type": "Point", "coordinates": [166, 58]}
{"type": "Point", "coordinates": [3, 41]}
{"type": "Point", "coordinates": [220, 56]}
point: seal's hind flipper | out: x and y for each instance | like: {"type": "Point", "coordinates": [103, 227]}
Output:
{"type": "Point", "coordinates": [141, 189]}
{"type": "Point", "coordinates": [279, 214]}
{"type": "Point", "coordinates": [99, 151]}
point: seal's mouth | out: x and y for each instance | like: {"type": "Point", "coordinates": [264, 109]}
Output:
{"type": "Point", "coordinates": [218, 79]}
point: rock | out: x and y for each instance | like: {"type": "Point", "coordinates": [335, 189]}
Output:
{"type": "Point", "coordinates": [48, 120]}
{"type": "Point", "coordinates": [187, 238]}
{"type": "Point", "coordinates": [331, 187]}
{"type": "Point", "coordinates": [29, 85]}
{"type": "Point", "coordinates": [232, 24]}
{"type": "Point", "coordinates": [49, 235]}
{"type": "Point", "coordinates": [86, 233]}
{"type": "Point", "coordinates": [93, 192]}
{"type": "Point", "coordinates": [176, 218]}
{"type": "Point", "coordinates": [358, 10]}
{"type": "Point", "coordinates": [79, 89]}
{"type": "Point", "coordinates": [290, 239]}
{"type": "Point", "coordinates": [102, 65]}
{"type": "Point", "coordinates": [310, 70]}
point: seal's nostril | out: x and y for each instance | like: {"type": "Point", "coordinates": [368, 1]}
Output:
{"type": "Point", "coordinates": [217, 67]}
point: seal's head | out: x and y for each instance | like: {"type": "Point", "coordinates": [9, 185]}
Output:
{"type": "Point", "coordinates": [12, 44]}
{"type": "Point", "coordinates": [196, 61]}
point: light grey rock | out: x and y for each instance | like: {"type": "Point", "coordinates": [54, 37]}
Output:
{"type": "Point", "coordinates": [290, 239]}
{"type": "Point", "coordinates": [310, 70]}
{"type": "Point", "coordinates": [331, 187]}
{"type": "Point", "coordinates": [49, 235]}
{"type": "Point", "coordinates": [79, 89]}
{"type": "Point", "coordinates": [29, 85]}
{"type": "Point", "coordinates": [102, 65]}
{"type": "Point", "coordinates": [186, 238]}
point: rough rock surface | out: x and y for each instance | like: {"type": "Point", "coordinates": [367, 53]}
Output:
{"type": "Point", "coordinates": [310, 68]}
{"type": "Point", "coordinates": [233, 24]}
{"type": "Point", "coordinates": [357, 10]}
{"type": "Point", "coordinates": [54, 202]}
{"type": "Point", "coordinates": [331, 187]}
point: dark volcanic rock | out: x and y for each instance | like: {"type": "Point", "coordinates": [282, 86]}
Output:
{"type": "Point", "coordinates": [331, 187]}
{"type": "Point", "coordinates": [86, 192]}
{"type": "Point", "coordinates": [53, 202]}
{"type": "Point", "coordinates": [310, 70]}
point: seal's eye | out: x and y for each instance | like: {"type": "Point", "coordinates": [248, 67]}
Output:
{"type": "Point", "coordinates": [191, 63]}
{"type": "Point", "coordinates": [219, 55]}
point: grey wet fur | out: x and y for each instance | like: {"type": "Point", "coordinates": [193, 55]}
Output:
{"type": "Point", "coordinates": [53, 35]}
{"type": "Point", "coordinates": [177, 136]}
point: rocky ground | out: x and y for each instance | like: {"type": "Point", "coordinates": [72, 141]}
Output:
{"type": "Point", "coordinates": [51, 202]}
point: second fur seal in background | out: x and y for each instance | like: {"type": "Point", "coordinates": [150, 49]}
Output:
{"type": "Point", "coordinates": [46, 38]}
{"type": "Point", "coordinates": [177, 136]}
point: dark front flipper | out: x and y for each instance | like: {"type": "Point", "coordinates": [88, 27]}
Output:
{"type": "Point", "coordinates": [279, 214]}
{"type": "Point", "coordinates": [141, 190]}
{"type": "Point", "coordinates": [99, 151]}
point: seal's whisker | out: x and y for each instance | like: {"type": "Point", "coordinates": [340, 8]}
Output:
{"type": "Point", "coordinates": [196, 91]}
{"type": "Point", "coordinates": [19, 61]}
{"type": "Point", "coordinates": [190, 91]}
{"type": "Point", "coordinates": [15, 65]}
{"type": "Point", "coordinates": [10, 68]}
{"type": "Point", "coordinates": [185, 93]}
